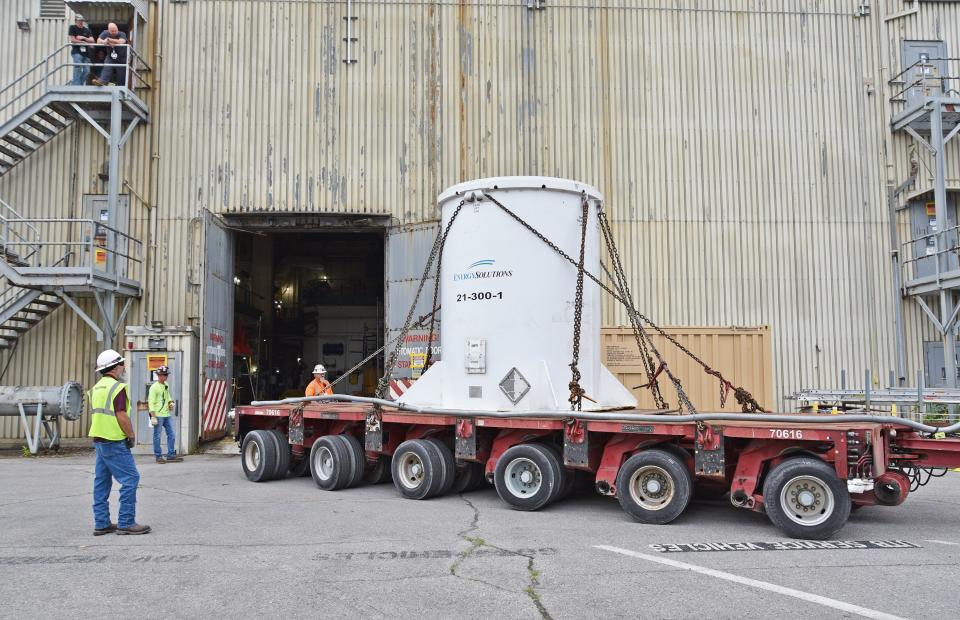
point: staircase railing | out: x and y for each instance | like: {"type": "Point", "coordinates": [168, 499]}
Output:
{"type": "Point", "coordinates": [100, 250]}
{"type": "Point", "coordinates": [56, 70]}
{"type": "Point", "coordinates": [17, 233]}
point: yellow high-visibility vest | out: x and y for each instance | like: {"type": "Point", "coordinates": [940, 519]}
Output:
{"type": "Point", "coordinates": [103, 421]}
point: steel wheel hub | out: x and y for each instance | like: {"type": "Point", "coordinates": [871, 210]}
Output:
{"type": "Point", "coordinates": [807, 500]}
{"type": "Point", "coordinates": [523, 477]}
{"type": "Point", "coordinates": [252, 456]}
{"type": "Point", "coordinates": [325, 463]}
{"type": "Point", "coordinates": [411, 471]}
{"type": "Point", "coordinates": [651, 487]}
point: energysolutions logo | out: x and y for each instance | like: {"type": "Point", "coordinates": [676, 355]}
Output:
{"type": "Point", "coordinates": [482, 269]}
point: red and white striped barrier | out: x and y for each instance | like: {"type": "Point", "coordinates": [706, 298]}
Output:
{"type": "Point", "coordinates": [398, 387]}
{"type": "Point", "coordinates": [214, 408]}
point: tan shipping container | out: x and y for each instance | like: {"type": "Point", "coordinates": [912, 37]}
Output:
{"type": "Point", "coordinates": [744, 355]}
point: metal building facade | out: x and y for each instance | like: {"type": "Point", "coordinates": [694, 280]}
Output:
{"type": "Point", "coordinates": [743, 148]}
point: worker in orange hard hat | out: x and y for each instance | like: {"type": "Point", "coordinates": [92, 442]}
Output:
{"type": "Point", "coordinates": [319, 386]}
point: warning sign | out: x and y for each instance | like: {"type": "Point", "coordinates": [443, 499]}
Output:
{"type": "Point", "coordinates": [418, 360]}
{"type": "Point", "coordinates": [100, 257]}
{"type": "Point", "coordinates": [155, 361]}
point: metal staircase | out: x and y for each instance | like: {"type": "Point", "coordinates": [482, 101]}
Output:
{"type": "Point", "coordinates": [39, 104]}
{"type": "Point", "coordinates": [49, 262]}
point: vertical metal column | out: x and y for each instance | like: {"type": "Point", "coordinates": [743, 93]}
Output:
{"type": "Point", "coordinates": [108, 300]}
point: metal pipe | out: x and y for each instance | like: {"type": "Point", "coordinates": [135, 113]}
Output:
{"type": "Point", "coordinates": [611, 416]}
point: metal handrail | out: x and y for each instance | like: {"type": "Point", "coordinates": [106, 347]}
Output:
{"type": "Point", "coordinates": [5, 241]}
{"type": "Point", "coordinates": [934, 256]}
{"type": "Point", "coordinates": [134, 64]}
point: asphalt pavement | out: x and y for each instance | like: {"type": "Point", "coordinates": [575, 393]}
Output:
{"type": "Point", "coordinates": [225, 547]}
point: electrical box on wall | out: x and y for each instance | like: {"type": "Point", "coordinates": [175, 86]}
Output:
{"type": "Point", "coordinates": [177, 348]}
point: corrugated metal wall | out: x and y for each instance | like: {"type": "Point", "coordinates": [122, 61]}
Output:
{"type": "Point", "coordinates": [743, 145]}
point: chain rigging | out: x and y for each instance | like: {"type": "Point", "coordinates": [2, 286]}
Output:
{"type": "Point", "coordinates": [577, 392]}
{"type": "Point", "coordinates": [746, 400]}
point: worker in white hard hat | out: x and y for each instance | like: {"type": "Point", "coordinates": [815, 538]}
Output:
{"type": "Point", "coordinates": [319, 386]}
{"type": "Point", "coordinates": [113, 437]}
{"type": "Point", "coordinates": [160, 405]}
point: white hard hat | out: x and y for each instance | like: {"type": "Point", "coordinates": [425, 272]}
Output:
{"type": "Point", "coordinates": [108, 359]}
{"type": "Point", "coordinates": [319, 370]}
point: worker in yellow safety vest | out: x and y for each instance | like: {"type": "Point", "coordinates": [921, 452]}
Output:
{"type": "Point", "coordinates": [319, 386]}
{"type": "Point", "coordinates": [160, 405]}
{"type": "Point", "coordinates": [113, 437]}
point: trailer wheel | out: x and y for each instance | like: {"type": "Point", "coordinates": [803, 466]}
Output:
{"type": "Point", "coordinates": [469, 477]}
{"type": "Point", "coordinates": [565, 479]}
{"type": "Point", "coordinates": [379, 473]}
{"type": "Point", "coordinates": [330, 463]}
{"type": "Point", "coordinates": [654, 486]}
{"type": "Point", "coordinates": [357, 457]}
{"type": "Point", "coordinates": [258, 456]}
{"type": "Point", "coordinates": [527, 476]}
{"type": "Point", "coordinates": [448, 466]}
{"type": "Point", "coordinates": [805, 498]}
{"type": "Point", "coordinates": [416, 469]}
{"type": "Point", "coordinates": [284, 454]}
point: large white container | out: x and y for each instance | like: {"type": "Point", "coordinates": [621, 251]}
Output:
{"type": "Point", "coordinates": [508, 301]}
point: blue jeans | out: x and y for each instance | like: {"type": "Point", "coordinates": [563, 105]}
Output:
{"type": "Point", "coordinates": [165, 423]}
{"type": "Point", "coordinates": [81, 69]}
{"type": "Point", "coordinates": [114, 460]}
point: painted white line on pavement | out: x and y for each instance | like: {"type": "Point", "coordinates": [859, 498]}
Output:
{"type": "Point", "coordinates": [763, 585]}
{"type": "Point", "coordinates": [942, 542]}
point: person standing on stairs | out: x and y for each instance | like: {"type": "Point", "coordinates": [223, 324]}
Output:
{"type": "Point", "coordinates": [80, 35]}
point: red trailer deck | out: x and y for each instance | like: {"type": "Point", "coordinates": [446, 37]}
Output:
{"type": "Point", "coordinates": [806, 474]}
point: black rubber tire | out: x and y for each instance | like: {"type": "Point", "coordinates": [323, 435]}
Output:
{"type": "Point", "coordinates": [300, 468]}
{"type": "Point", "coordinates": [566, 480]}
{"type": "Point", "coordinates": [259, 467]}
{"type": "Point", "coordinates": [831, 518]}
{"type": "Point", "coordinates": [339, 460]}
{"type": "Point", "coordinates": [546, 467]}
{"type": "Point", "coordinates": [408, 454]}
{"type": "Point", "coordinates": [469, 477]}
{"type": "Point", "coordinates": [448, 464]}
{"type": "Point", "coordinates": [358, 459]}
{"type": "Point", "coordinates": [379, 473]}
{"type": "Point", "coordinates": [284, 454]}
{"type": "Point", "coordinates": [672, 474]}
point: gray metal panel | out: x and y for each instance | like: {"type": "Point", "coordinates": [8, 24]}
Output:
{"type": "Point", "coordinates": [408, 248]}
{"type": "Point", "coordinates": [217, 332]}
{"type": "Point", "coordinates": [140, 389]}
{"type": "Point", "coordinates": [913, 51]}
{"type": "Point", "coordinates": [924, 223]}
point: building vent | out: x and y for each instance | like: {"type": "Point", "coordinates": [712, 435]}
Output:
{"type": "Point", "coordinates": [52, 9]}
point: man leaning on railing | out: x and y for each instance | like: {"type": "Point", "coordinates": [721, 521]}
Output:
{"type": "Point", "coordinates": [80, 34]}
{"type": "Point", "coordinates": [115, 70]}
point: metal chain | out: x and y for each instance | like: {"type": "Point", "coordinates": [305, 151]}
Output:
{"type": "Point", "coordinates": [576, 392]}
{"type": "Point", "coordinates": [746, 400]}
{"type": "Point", "coordinates": [624, 288]}
{"type": "Point", "coordinates": [384, 382]}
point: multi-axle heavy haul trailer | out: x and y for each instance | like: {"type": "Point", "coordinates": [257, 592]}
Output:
{"type": "Point", "coordinates": [521, 400]}
{"type": "Point", "coordinates": [807, 476]}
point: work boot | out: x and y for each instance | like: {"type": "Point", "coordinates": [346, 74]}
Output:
{"type": "Point", "coordinates": [98, 82]}
{"type": "Point", "coordinates": [134, 529]}
{"type": "Point", "coordinates": [174, 459]}
{"type": "Point", "coordinates": [105, 530]}
{"type": "Point", "coordinates": [160, 460]}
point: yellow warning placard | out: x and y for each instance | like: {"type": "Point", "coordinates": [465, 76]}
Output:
{"type": "Point", "coordinates": [155, 361]}
{"type": "Point", "coordinates": [418, 360]}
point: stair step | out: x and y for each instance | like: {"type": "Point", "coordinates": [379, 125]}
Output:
{"type": "Point", "coordinates": [11, 154]}
{"type": "Point", "coordinates": [48, 302]}
{"type": "Point", "coordinates": [10, 338]}
{"type": "Point", "coordinates": [18, 328]}
{"type": "Point", "coordinates": [56, 122]}
{"type": "Point", "coordinates": [26, 319]}
{"type": "Point", "coordinates": [41, 312]}
{"type": "Point", "coordinates": [40, 127]}
{"type": "Point", "coordinates": [32, 137]}
{"type": "Point", "coordinates": [20, 144]}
